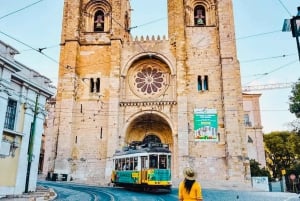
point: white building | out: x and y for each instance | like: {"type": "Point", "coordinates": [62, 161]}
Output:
{"type": "Point", "coordinates": [252, 121]}
{"type": "Point", "coordinates": [23, 95]}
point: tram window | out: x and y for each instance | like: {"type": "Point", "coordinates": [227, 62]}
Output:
{"type": "Point", "coordinates": [144, 160]}
{"type": "Point", "coordinates": [131, 165]}
{"type": "Point", "coordinates": [153, 161]}
{"type": "Point", "coordinates": [116, 164]}
{"type": "Point", "coordinates": [169, 162]}
{"type": "Point", "coordinates": [135, 163]}
{"type": "Point", "coordinates": [162, 161]}
{"type": "Point", "coordinates": [126, 164]}
{"type": "Point", "coordinates": [123, 164]}
{"type": "Point", "coordinates": [119, 167]}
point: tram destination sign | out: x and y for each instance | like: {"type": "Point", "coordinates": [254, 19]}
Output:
{"type": "Point", "coordinates": [205, 125]}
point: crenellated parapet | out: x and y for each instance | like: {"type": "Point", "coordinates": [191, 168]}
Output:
{"type": "Point", "coordinates": [155, 44]}
{"type": "Point", "coordinates": [148, 38]}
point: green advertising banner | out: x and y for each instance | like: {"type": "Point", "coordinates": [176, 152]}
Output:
{"type": "Point", "coordinates": [206, 125]}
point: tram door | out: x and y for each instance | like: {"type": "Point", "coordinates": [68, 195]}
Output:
{"type": "Point", "coordinates": [144, 161]}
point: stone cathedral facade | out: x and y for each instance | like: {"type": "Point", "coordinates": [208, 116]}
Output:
{"type": "Point", "coordinates": [183, 90]}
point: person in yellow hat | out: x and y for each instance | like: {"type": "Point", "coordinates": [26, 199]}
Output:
{"type": "Point", "coordinates": [189, 189]}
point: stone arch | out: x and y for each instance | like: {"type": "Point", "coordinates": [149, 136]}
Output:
{"type": "Point", "coordinates": [146, 123]}
{"type": "Point", "coordinates": [148, 76]}
{"type": "Point", "coordinates": [209, 12]}
{"type": "Point", "coordinates": [94, 8]}
{"type": "Point", "coordinates": [144, 55]}
{"type": "Point", "coordinates": [199, 15]}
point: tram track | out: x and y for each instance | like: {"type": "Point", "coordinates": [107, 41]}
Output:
{"type": "Point", "coordinates": [94, 193]}
{"type": "Point", "coordinates": [103, 194]}
{"type": "Point", "coordinates": [68, 191]}
{"type": "Point", "coordinates": [160, 199]}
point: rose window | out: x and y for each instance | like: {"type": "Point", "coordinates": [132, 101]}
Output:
{"type": "Point", "coordinates": [149, 80]}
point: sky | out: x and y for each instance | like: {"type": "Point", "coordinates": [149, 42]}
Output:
{"type": "Point", "coordinates": [266, 54]}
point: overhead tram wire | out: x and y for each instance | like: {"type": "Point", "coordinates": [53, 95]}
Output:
{"type": "Point", "coordinates": [127, 30]}
{"type": "Point", "coordinates": [272, 71]}
{"type": "Point", "coordinates": [285, 8]}
{"type": "Point", "coordinates": [86, 113]}
{"type": "Point", "coordinates": [11, 13]}
{"type": "Point", "coordinates": [39, 50]}
{"type": "Point", "coordinates": [150, 22]}
{"type": "Point", "coordinates": [44, 48]}
{"type": "Point", "coordinates": [259, 34]}
{"type": "Point", "coordinates": [239, 38]}
{"type": "Point", "coordinates": [266, 58]}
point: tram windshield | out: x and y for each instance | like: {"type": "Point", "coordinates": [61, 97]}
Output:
{"type": "Point", "coordinates": [157, 161]}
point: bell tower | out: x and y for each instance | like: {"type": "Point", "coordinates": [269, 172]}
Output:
{"type": "Point", "coordinates": [202, 38]}
{"type": "Point", "coordinates": [91, 41]}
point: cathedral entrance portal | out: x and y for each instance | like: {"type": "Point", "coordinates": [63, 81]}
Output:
{"type": "Point", "coordinates": [149, 127]}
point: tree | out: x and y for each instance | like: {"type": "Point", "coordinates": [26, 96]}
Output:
{"type": "Point", "coordinates": [295, 169]}
{"type": "Point", "coordinates": [295, 106]}
{"type": "Point", "coordinates": [282, 151]}
{"type": "Point", "coordinates": [257, 171]}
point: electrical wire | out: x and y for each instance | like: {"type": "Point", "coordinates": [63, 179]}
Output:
{"type": "Point", "coordinates": [238, 38]}
{"type": "Point", "coordinates": [266, 58]}
{"type": "Point", "coordinates": [259, 34]}
{"type": "Point", "coordinates": [31, 48]}
{"type": "Point", "coordinates": [147, 23]}
{"type": "Point", "coordinates": [93, 114]}
{"type": "Point", "coordinates": [285, 8]}
{"type": "Point", "coordinates": [39, 50]}
{"type": "Point", "coordinates": [44, 48]}
{"type": "Point", "coordinates": [150, 22]}
{"type": "Point", "coordinates": [153, 21]}
{"type": "Point", "coordinates": [11, 13]}
{"type": "Point", "coordinates": [272, 71]}
{"type": "Point", "coordinates": [127, 30]}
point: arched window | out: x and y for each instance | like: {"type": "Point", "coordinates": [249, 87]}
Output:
{"type": "Point", "coordinates": [199, 15]}
{"type": "Point", "coordinates": [97, 17]}
{"type": "Point", "coordinates": [99, 21]}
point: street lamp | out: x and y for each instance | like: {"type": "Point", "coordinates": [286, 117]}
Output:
{"type": "Point", "coordinates": [294, 26]}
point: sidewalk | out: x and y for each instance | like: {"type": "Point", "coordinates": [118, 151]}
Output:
{"type": "Point", "coordinates": [41, 194]}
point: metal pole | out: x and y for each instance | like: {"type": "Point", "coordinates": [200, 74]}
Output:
{"type": "Point", "coordinates": [298, 45]}
{"type": "Point", "coordinates": [283, 187]}
{"type": "Point", "coordinates": [31, 143]}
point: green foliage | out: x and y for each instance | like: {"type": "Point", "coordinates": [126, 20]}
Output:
{"type": "Point", "coordinates": [295, 106]}
{"type": "Point", "coordinates": [295, 99]}
{"type": "Point", "coordinates": [282, 151]}
{"type": "Point", "coordinates": [257, 171]}
{"type": "Point", "coordinates": [294, 169]}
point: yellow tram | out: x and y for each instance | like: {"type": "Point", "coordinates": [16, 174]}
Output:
{"type": "Point", "coordinates": [143, 166]}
